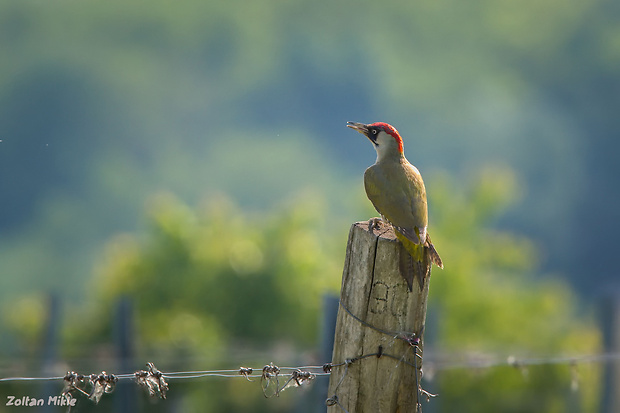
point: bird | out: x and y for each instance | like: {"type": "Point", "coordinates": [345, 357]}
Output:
{"type": "Point", "coordinates": [396, 190]}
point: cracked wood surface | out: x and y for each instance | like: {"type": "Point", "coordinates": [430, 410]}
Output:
{"type": "Point", "coordinates": [374, 291]}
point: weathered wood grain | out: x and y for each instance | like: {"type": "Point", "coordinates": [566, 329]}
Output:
{"type": "Point", "coordinates": [374, 291]}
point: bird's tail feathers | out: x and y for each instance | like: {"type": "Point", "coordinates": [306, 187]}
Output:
{"type": "Point", "coordinates": [411, 269]}
{"type": "Point", "coordinates": [434, 255]}
{"type": "Point", "coordinates": [405, 265]}
{"type": "Point", "coordinates": [413, 262]}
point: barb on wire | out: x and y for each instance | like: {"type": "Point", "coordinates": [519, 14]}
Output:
{"type": "Point", "coordinates": [427, 394]}
{"type": "Point", "coordinates": [269, 378]}
{"type": "Point", "coordinates": [333, 401]}
{"type": "Point", "coordinates": [153, 380]}
{"type": "Point", "coordinates": [327, 368]}
{"type": "Point", "coordinates": [298, 377]}
{"type": "Point", "coordinates": [246, 372]}
{"type": "Point", "coordinates": [517, 364]}
{"type": "Point", "coordinates": [101, 383]}
{"type": "Point", "coordinates": [73, 382]}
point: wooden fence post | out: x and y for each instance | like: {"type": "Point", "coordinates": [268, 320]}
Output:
{"type": "Point", "coordinates": [376, 309]}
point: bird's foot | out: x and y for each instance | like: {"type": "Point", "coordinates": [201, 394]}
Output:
{"type": "Point", "coordinates": [374, 223]}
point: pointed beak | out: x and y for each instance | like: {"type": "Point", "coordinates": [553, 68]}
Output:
{"type": "Point", "coordinates": [363, 129]}
{"type": "Point", "coordinates": [360, 127]}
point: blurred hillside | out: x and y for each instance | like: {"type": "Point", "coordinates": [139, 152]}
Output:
{"type": "Point", "coordinates": [104, 103]}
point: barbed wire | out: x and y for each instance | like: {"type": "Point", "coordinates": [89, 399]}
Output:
{"type": "Point", "coordinates": [481, 361]}
{"type": "Point", "coordinates": [93, 386]}
{"type": "Point", "coordinates": [274, 379]}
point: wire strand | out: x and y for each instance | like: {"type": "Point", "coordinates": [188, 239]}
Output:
{"type": "Point", "coordinates": [154, 380]}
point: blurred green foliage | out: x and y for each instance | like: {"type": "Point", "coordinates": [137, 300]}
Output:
{"type": "Point", "coordinates": [489, 307]}
{"type": "Point", "coordinates": [216, 275]}
{"type": "Point", "coordinates": [105, 103]}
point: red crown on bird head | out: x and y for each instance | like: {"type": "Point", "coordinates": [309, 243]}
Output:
{"type": "Point", "coordinates": [390, 130]}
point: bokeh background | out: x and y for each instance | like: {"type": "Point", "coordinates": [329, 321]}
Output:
{"type": "Point", "coordinates": [184, 169]}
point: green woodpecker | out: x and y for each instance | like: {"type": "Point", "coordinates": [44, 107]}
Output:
{"type": "Point", "coordinates": [396, 189]}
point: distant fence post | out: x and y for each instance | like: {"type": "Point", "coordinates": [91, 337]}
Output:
{"type": "Point", "coordinates": [328, 326]}
{"type": "Point", "coordinates": [125, 400]}
{"type": "Point", "coordinates": [610, 314]}
{"type": "Point", "coordinates": [377, 311]}
{"type": "Point", "coordinates": [50, 345]}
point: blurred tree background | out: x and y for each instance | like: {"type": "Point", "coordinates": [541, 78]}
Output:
{"type": "Point", "coordinates": [193, 157]}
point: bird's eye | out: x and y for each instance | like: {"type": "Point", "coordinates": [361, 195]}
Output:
{"type": "Point", "coordinates": [374, 131]}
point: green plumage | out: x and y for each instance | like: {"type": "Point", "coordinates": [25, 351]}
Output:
{"type": "Point", "coordinates": [397, 191]}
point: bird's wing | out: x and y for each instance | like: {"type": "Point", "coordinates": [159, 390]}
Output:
{"type": "Point", "coordinates": [401, 199]}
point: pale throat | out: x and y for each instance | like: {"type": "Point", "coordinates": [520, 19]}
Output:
{"type": "Point", "coordinates": [388, 151]}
